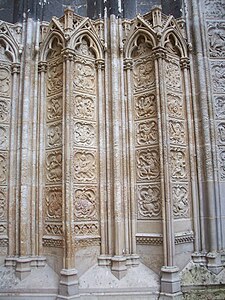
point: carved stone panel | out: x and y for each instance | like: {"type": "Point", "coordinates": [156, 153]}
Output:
{"type": "Point", "coordinates": [216, 34]}
{"type": "Point", "coordinates": [84, 134]}
{"type": "Point", "coordinates": [84, 78]}
{"type": "Point", "coordinates": [147, 132]}
{"type": "Point", "coordinates": [85, 166]}
{"type": "Point", "coordinates": [218, 75]}
{"type": "Point", "coordinates": [221, 154]}
{"type": "Point", "coordinates": [175, 106]}
{"type": "Point", "coordinates": [143, 75]}
{"type": "Point", "coordinates": [145, 106]}
{"type": "Point", "coordinates": [85, 203]}
{"type": "Point", "coordinates": [177, 132]}
{"type": "Point", "coordinates": [54, 77]}
{"type": "Point", "coordinates": [3, 168]}
{"type": "Point", "coordinates": [173, 75]}
{"type": "Point", "coordinates": [4, 110]}
{"type": "Point", "coordinates": [53, 229]}
{"type": "Point", "coordinates": [3, 204]}
{"type": "Point", "coordinates": [180, 200]}
{"type": "Point", "coordinates": [5, 82]}
{"type": "Point", "coordinates": [178, 163]}
{"type": "Point", "coordinates": [54, 108]}
{"type": "Point", "coordinates": [148, 166]}
{"type": "Point", "coordinates": [4, 137]}
{"type": "Point", "coordinates": [53, 203]}
{"type": "Point", "coordinates": [54, 166]}
{"type": "Point", "coordinates": [84, 107]}
{"type": "Point", "coordinates": [149, 201]}
{"type": "Point", "coordinates": [221, 132]}
{"type": "Point", "coordinates": [86, 229]}
{"type": "Point", "coordinates": [219, 103]}
{"type": "Point", "coordinates": [214, 9]}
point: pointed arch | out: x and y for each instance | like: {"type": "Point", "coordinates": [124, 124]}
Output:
{"type": "Point", "coordinates": [11, 50]}
{"type": "Point", "coordinates": [179, 40]}
{"type": "Point", "coordinates": [49, 43]}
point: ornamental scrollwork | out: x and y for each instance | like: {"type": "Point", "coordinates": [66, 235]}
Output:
{"type": "Point", "coordinates": [86, 229]}
{"type": "Point", "coordinates": [5, 82]}
{"type": "Point", "coordinates": [214, 8]}
{"type": "Point", "coordinates": [4, 110]}
{"type": "Point", "coordinates": [220, 106]}
{"type": "Point", "coordinates": [216, 33]}
{"type": "Point", "coordinates": [175, 106]}
{"type": "Point", "coordinates": [149, 202]}
{"type": "Point", "coordinates": [85, 205]}
{"type": "Point", "coordinates": [221, 133]}
{"type": "Point", "coordinates": [3, 168]}
{"type": "Point", "coordinates": [85, 167]}
{"type": "Point", "coordinates": [173, 76]}
{"type": "Point", "coordinates": [4, 133]}
{"type": "Point", "coordinates": [180, 201]}
{"type": "Point", "coordinates": [3, 207]}
{"type": "Point", "coordinates": [177, 132]}
{"type": "Point", "coordinates": [54, 229]}
{"type": "Point", "coordinates": [222, 163]}
{"type": "Point", "coordinates": [54, 78]}
{"type": "Point", "coordinates": [54, 166]}
{"type": "Point", "coordinates": [147, 164]}
{"type": "Point", "coordinates": [54, 108]}
{"type": "Point", "coordinates": [145, 106]}
{"type": "Point", "coordinates": [84, 77]}
{"type": "Point", "coordinates": [218, 75]}
{"type": "Point", "coordinates": [147, 133]}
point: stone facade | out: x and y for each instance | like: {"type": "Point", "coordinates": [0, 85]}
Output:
{"type": "Point", "coordinates": [112, 155]}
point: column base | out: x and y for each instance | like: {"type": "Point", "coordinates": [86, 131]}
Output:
{"type": "Point", "coordinates": [214, 263]}
{"type": "Point", "coordinates": [119, 268]}
{"type": "Point", "coordinates": [176, 296]}
{"type": "Point", "coordinates": [68, 285]}
{"type": "Point", "coordinates": [170, 282]}
{"type": "Point", "coordinates": [23, 267]}
{"type": "Point", "coordinates": [104, 260]}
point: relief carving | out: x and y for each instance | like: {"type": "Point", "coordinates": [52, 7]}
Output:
{"type": "Point", "coordinates": [149, 201]}
{"type": "Point", "coordinates": [221, 132]}
{"type": "Point", "coordinates": [54, 166]}
{"type": "Point", "coordinates": [3, 168]}
{"type": "Point", "coordinates": [4, 133]}
{"type": "Point", "coordinates": [54, 78]}
{"type": "Point", "coordinates": [177, 132]}
{"type": "Point", "coordinates": [85, 168]}
{"type": "Point", "coordinates": [84, 107]}
{"type": "Point", "coordinates": [220, 107]}
{"type": "Point", "coordinates": [180, 201]}
{"type": "Point", "coordinates": [85, 206]}
{"type": "Point", "coordinates": [175, 106]}
{"type": "Point", "coordinates": [222, 163]}
{"type": "Point", "coordinates": [147, 132]}
{"type": "Point", "coordinates": [216, 33]}
{"type": "Point", "coordinates": [173, 76]}
{"type": "Point", "coordinates": [3, 229]}
{"type": "Point", "coordinates": [143, 75]}
{"type": "Point", "coordinates": [5, 82]}
{"type": "Point", "coordinates": [83, 47]}
{"type": "Point", "coordinates": [178, 163]}
{"type": "Point", "coordinates": [54, 108]}
{"type": "Point", "coordinates": [54, 135]}
{"type": "Point", "coordinates": [3, 207]}
{"type": "Point", "coordinates": [4, 110]}
{"type": "Point", "coordinates": [218, 75]}
{"type": "Point", "coordinates": [5, 54]}
{"type": "Point", "coordinates": [145, 106]}
{"type": "Point", "coordinates": [86, 229]}
{"type": "Point", "coordinates": [53, 203]}
{"type": "Point", "coordinates": [214, 8]}
{"type": "Point", "coordinates": [54, 229]}
{"type": "Point", "coordinates": [84, 77]}
{"type": "Point", "coordinates": [84, 134]}
{"type": "Point", "coordinates": [142, 47]}
{"type": "Point", "coordinates": [147, 164]}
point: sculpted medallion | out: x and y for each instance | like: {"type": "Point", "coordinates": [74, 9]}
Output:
{"type": "Point", "coordinates": [149, 202]}
{"type": "Point", "coordinates": [175, 106]}
{"type": "Point", "coordinates": [84, 77]}
{"type": "Point", "coordinates": [147, 132]}
{"type": "Point", "coordinates": [180, 201]}
{"type": "Point", "coordinates": [85, 168]}
{"type": "Point", "coordinates": [85, 206]}
{"type": "Point", "coordinates": [218, 75]}
{"type": "Point", "coordinates": [53, 203]}
{"type": "Point", "coordinates": [54, 108]}
{"type": "Point", "coordinates": [3, 168]}
{"type": "Point", "coordinates": [177, 132]}
{"type": "Point", "coordinates": [216, 33]}
{"type": "Point", "coordinates": [173, 76]}
{"type": "Point", "coordinates": [54, 135]}
{"type": "Point", "coordinates": [147, 164]}
{"type": "Point", "coordinates": [145, 106]}
{"type": "Point", "coordinates": [54, 166]}
{"type": "Point", "coordinates": [220, 106]}
{"type": "Point", "coordinates": [54, 78]}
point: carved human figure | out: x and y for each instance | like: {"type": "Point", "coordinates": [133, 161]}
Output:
{"type": "Point", "coordinates": [3, 169]}
{"type": "Point", "coordinates": [54, 166]}
{"type": "Point", "coordinates": [149, 203]}
{"type": "Point", "coordinates": [145, 106]}
{"type": "Point", "coordinates": [147, 164]}
{"type": "Point", "coordinates": [54, 203]}
{"type": "Point", "coordinates": [147, 133]}
{"type": "Point", "coordinates": [2, 205]}
{"type": "Point", "coordinates": [178, 164]}
{"type": "Point", "coordinates": [4, 81]}
{"type": "Point", "coordinates": [85, 203]}
{"type": "Point", "coordinates": [180, 201]}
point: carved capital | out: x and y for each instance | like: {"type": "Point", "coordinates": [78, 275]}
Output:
{"type": "Point", "coordinates": [185, 63]}
{"type": "Point", "coordinates": [100, 64]}
{"type": "Point", "coordinates": [15, 68]}
{"type": "Point", "coordinates": [159, 52]}
{"type": "Point", "coordinates": [42, 67]}
{"type": "Point", "coordinates": [68, 54]}
{"type": "Point", "coordinates": [128, 64]}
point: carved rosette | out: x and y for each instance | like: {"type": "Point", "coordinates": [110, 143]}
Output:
{"type": "Point", "coordinates": [53, 70]}
{"type": "Point", "coordinates": [5, 116]}
{"type": "Point", "coordinates": [85, 139]}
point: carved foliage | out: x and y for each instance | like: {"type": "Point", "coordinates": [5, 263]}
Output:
{"type": "Point", "coordinates": [54, 77]}
{"type": "Point", "coordinates": [53, 203]}
{"type": "Point", "coordinates": [54, 135]}
{"type": "Point", "coordinates": [4, 110]}
{"type": "Point", "coordinates": [145, 106]}
{"type": "Point", "coordinates": [149, 201]}
{"type": "Point", "coordinates": [3, 168]}
{"type": "Point", "coordinates": [222, 162]}
{"type": "Point", "coordinates": [84, 77]}
{"type": "Point", "coordinates": [218, 75]}
{"type": "Point", "coordinates": [3, 204]}
{"type": "Point", "coordinates": [54, 166]}
{"type": "Point", "coordinates": [143, 74]}
{"type": "Point", "coordinates": [175, 105]}
{"type": "Point", "coordinates": [84, 134]}
{"type": "Point", "coordinates": [214, 8]}
{"type": "Point", "coordinates": [5, 82]}
{"type": "Point", "coordinates": [146, 133]}
{"type": "Point", "coordinates": [177, 132]}
{"type": "Point", "coordinates": [4, 137]}
{"type": "Point", "coordinates": [84, 107]}
{"type": "Point", "coordinates": [173, 76]}
{"type": "Point", "coordinates": [54, 108]}
{"type": "Point", "coordinates": [178, 163]}
{"type": "Point", "coordinates": [221, 132]}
